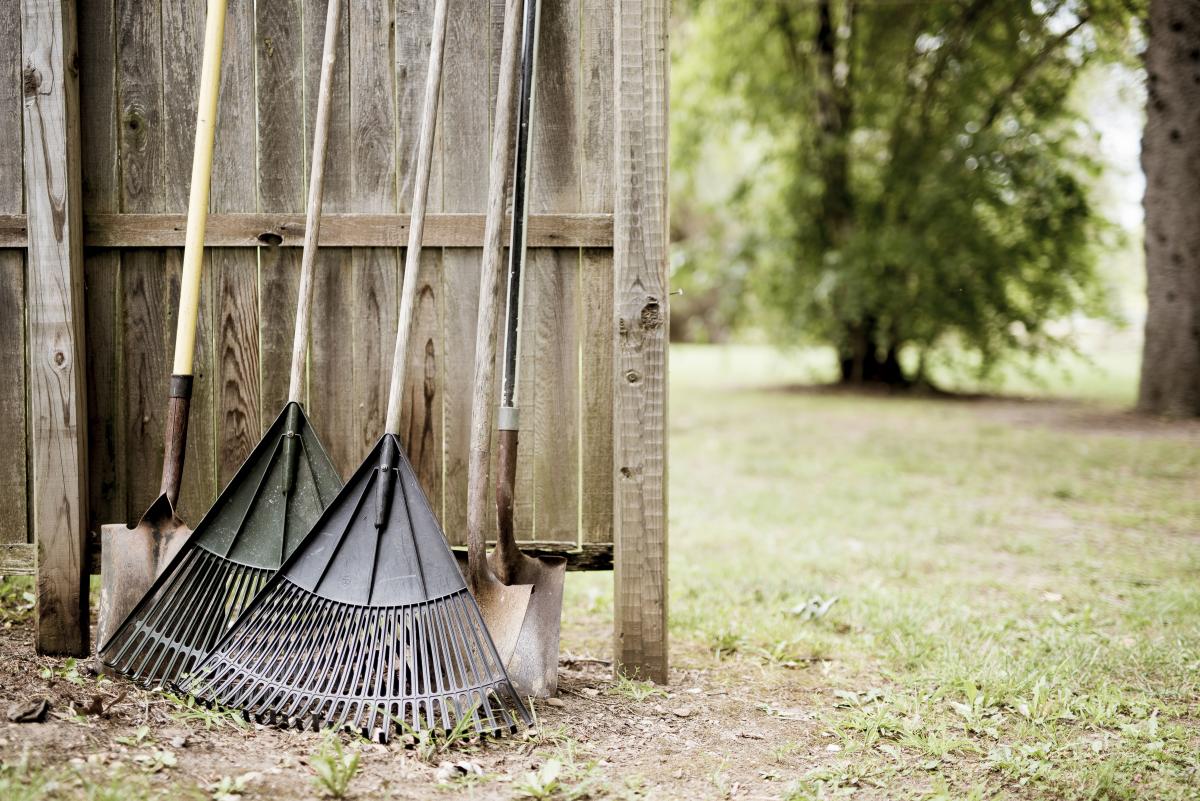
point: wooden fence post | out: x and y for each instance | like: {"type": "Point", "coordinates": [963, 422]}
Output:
{"type": "Point", "coordinates": [58, 412]}
{"type": "Point", "coordinates": [640, 357]}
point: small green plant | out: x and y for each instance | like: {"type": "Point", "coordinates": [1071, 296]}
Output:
{"type": "Point", "coordinates": [542, 783]}
{"type": "Point", "coordinates": [335, 768]}
{"type": "Point", "coordinates": [140, 737]}
{"type": "Point", "coordinates": [187, 710]}
{"type": "Point", "coordinates": [69, 671]}
{"type": "Point", "coordinates": [635, 690]}
{"type": "Point", "coordinates": [231, 788]}
{"type": "Point", "coordinates": [430, 743]}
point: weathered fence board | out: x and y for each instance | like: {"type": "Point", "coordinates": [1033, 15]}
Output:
{"type": "Point", "coordinates": [640, 386]}
{"type": "Point", "coordinates": [138, 109]}
{"type": "Point", "coordinates": [57, 375]}
{"type": "Point", "coordinates": [13, 488]}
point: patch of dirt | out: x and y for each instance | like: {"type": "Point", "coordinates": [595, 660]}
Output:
{"type": "Point", "coordinates": [743, 731]}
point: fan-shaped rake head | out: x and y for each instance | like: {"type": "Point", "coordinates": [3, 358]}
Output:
{"type": "Point", "coordinates": [368, 627]}
{"type": "Point", "coordinates": [259, 519]}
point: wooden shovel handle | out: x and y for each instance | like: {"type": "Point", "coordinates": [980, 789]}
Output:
{"type": "Point", "coordinates": [489, 285]}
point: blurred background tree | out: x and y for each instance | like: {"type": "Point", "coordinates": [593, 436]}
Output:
{"type": "Point", "coordinates": [904, 180]}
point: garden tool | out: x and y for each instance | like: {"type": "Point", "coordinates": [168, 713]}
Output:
{"type": "Point", "coordinates": [132, 556]}
{"type": "Point", "coordinates": [533, 665]}
{"type": "Point", "coordinates": [262, 515]}
{"type": "Point", "coordinates": [503, 606]}
{"type": "Point", "coordinates": [369, 625]}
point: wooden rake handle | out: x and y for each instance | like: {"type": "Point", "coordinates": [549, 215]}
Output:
{"type": "Point", "coordinates": [412, 258]}
{"type": "Point", "coordinates": [489, 285]}
{"type": "Point", "coordinates": [316, 187]}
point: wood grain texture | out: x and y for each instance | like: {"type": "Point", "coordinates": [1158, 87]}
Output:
{"type": "Point", "coordinates": [13, 486]}
{"type": "Point", "coordinates": [252, 230]}
{"type": "Point", "coordinates": [234, 271]}
{"type": "Point", "coordinates": [331, 403]}
{"type": "Point", "coordinates": [183, 36]}
{"type": "Point", "coordinates": [18, 559]}
{"type": "Point", "coordinates": [374, 64]}
{"type": "Point", "coordinates": [145, 359]}
{"type": "Point", "coordinates": [57, 373]}
{"type": "Point", "coordinates": [465, 126]}
{"type": "Point", "coordinates": [279, 70]}
{"type": "Point", "coordinates": [102, 269]}
{"type": "Point", "coordinates": [551, 325]}
{"type": "Point", "coordinates": [640, 339]}
{"type": "Point", "coordinates": [595, 276]}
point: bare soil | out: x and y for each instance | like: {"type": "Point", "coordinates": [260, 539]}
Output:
{"type": "Point", "coordinates": [709, 734]}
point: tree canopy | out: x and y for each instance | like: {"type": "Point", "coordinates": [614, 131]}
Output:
{"type": "Point", "coordinates": [907, 175]}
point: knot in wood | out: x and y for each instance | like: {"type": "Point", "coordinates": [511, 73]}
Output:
{"type": "Point", "coordinates": [31, 81]}
{"type": "Point", "coordinates": [59, 358]}
{"type": "Point", "coordinates": [633, 376]}
{"type": "Point", "coordinates": [651, 317]}
{"type": "Point", "coordinates": [270, 238]}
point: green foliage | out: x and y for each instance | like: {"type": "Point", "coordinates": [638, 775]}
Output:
{"type": "Point", "coordinates": [911, 176]}
{"type": "Point", "coordinates": [335, 768]}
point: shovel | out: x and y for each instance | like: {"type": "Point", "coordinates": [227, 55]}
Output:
{"type": "Point", "coordinates": [521, 596]}
{"type": "Point", "coordinates": [132, 556]}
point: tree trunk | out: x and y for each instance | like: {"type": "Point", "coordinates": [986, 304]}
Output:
{"type": "Point", "coordinates": [864, 360]}
{"type": "Point", "coordinates": [1170, 382]}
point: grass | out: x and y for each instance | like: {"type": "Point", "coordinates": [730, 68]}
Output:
{"type": "Point", "coordinates": [1018, 604]}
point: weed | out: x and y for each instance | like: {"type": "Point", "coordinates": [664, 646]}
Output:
{"type": "Point", "coordinates": [68, 671]}
{"type": "Point", "coordinates": [542, 783]}
{"type": "Point", "coordinates": [188, 710]}
{"type": "Point", "coordinates": [429, 743]}
{"type": "Point", "coordinates": [335, 768]}
{"type": "Point", "coordinates": [634, 690]}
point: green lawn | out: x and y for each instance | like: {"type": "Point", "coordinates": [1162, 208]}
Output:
{"type": "Point", "coordinates": [945, 599]}
{"type": "Point", "coordinates": [1017, 584]}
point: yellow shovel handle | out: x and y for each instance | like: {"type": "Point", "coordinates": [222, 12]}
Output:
{"type": "Point", "coordinates": [193, 246]}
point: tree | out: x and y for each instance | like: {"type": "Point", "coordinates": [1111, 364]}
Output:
{"type": "Point", "coordinates": [1170, 382]}
{"type": "Point", "coordinates": [918, 184]}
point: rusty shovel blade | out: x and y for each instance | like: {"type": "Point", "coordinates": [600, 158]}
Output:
{"type": "Point", "coordinates": [533, 666]}
{"type": "Point", "coordinates": [131, 558]}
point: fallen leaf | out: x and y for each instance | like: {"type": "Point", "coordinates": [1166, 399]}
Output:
{"type": "Point", "coordinates": [683, 712]}
{"type": "Point", "coordinates": [555, 702]}
{"type": "Point", "coordinates": [32, 711]}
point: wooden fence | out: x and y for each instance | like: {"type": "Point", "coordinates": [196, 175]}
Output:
{"type": "Point", "coordinates": [91, 222]}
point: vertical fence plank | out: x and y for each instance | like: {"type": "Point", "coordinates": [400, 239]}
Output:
{"type": "Point", "coordinates": [183, 37]}
{"type": "Point", "coordinates": [640, 339]}
{"type": "Point", "coordinates": [465, 135]}
{"type": "Point", "coordinates": [595, 276]}
{"type": "Point", "coordinates": [331, 398]}
{"type": "Point", "coordinates": [279, 57]}
{"type": "Point", "coordinates": [234, 271]}
{"type": "Point", "coordinates": [55, 320]}
{"type": "Point", "coordinates": [13, 487]}
{"type": "Point", "coordinates": [551, 326]}
{"type": "Point", "coordinates": [102, 269]}
{"type": "Point", "coordinates": [421, 418]}
{"type": "Point", "coordinates": [373, 179]}
{"type": "Point", "coordinates": [146, 362]}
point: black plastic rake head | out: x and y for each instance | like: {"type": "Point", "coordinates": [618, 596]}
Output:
{"type": "Point", "coordinates": [369, 626]}
{"type": "Point", "coordinates": [257, 522]}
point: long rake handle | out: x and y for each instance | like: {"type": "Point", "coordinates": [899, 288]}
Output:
{"type": "Point", "coordinates": [412, 258]}
{"type": "Point", "coordinates": [312, 218]}
{"type": "Point", "coordinates": [175, 440]}
{"type": "Point", "coordinates": [489, 284]}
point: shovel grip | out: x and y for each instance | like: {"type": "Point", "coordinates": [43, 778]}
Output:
{"type": "Point", "coordinates": [506, 556]}
{"type": "Point", "coordinates": [175, 439]}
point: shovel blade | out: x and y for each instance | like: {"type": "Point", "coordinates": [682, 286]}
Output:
{"type": "Point", "coordinates": [533, 667]}
{"type": "Point", "coordinates": [503, 609]}
{"type": "Point", "coordinates": [132, 558]}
